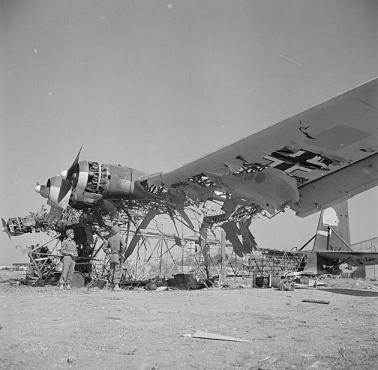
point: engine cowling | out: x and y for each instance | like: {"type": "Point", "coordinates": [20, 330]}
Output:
{"type": "Point", "coordinates": [94, 181]}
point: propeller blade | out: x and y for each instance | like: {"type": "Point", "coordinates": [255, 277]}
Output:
{"type": "Point", "coordinates": [67, 182]}
{"type": "Point", "coordinates": [65, 187]}
{"type": "Point", "coordinates": [5, 228]}
{"type": "Point", "coordinates": [74, 165]}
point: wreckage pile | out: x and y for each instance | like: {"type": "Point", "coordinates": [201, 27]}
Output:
{"type": "Point", "coordinates": [153, 254]}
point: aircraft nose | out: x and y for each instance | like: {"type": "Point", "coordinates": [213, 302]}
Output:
{"type": "Point", "coordinates": [64, 174]}
{"type": "Point", "coordinates": [42, 190]}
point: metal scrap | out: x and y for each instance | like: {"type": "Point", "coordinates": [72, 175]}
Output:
{"type": "Point", "coordinates": [315, 301]}
{"type": "Point", "coordinates": [205, 335]}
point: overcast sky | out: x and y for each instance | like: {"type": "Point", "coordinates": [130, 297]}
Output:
{"type": "Point", "coordinates": [154, 84]}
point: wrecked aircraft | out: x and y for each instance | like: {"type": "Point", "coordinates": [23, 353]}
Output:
{"type": "Point", "coordinates": [307, 162]}
{"type": "Point", "coordinates": [331, 248]}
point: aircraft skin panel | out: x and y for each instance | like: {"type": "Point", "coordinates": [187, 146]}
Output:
{"type": "Point", "coordinates": [338, 186]}
{"type": "Point", "coordinates": [309, 146]}
{"type": "Point", "coordinates": [351, 257]}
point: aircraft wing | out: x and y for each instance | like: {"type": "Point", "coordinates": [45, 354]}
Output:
{"type": "Point", "coordinates": [351, 257]}
{"type": "Point", "coordinates": [321, 156]}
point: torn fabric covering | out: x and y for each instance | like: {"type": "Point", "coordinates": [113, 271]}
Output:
{"type": "Point", "coordinates": [197, 193]}
{"type": "Point", "coordinates": [232, 233]}
{"type": "Point", "coordinates": [134, 241]}
{"type": "Point", "coordinates": [229, 206]}
{"type": "Point", "coordinates": [248, 243]}
{"type": "Point", "coordinates": [178, 198]}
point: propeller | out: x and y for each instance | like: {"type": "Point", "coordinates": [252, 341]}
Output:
{"type": "Point", "coordinates": [5, 228]}
{"type": "Point", "coordinates": [67, 180]}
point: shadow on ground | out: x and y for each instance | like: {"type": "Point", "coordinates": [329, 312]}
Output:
{"type": "Point", "coordinates": [354, 292]}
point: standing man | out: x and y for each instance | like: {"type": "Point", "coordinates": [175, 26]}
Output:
{"type": "Point", "coordinates": [207, 259]}
{"type": "Point", "coordinates": [116, 247]}
{"type": "Point", "coordinates": [69, 252]}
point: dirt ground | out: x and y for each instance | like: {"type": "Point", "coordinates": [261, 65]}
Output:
{"type": "Point", "coordinates": [44, 328]}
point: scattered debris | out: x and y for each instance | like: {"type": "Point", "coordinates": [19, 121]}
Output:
{"type": "Point", "coordinates": [287, 286]}
{"type": "Point", "coordinates": [130, 353]}
{"type": "Point", "coordinates": [206, 335]}
{"type": "Point", "coordinates": [269, 359]}
{"type": "Point", "coordinates": [282, 283]}
{"type": "Point", "coordinates": [184, 281]}
{"type": "Point", "coordinates": [315, 301]}
{"type": "Point", "coordinates": [317, 365]}
{"type": "Point", "coordinates": [151, 286]}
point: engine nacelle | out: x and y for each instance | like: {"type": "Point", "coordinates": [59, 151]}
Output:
{"type": "Point", "coordinates": [91, 182]}
{"type": "Point", "coordinates": [94, 181]}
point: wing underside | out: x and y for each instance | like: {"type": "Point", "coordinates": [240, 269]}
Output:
{"type": "Point", "coordinates": [321, 156]}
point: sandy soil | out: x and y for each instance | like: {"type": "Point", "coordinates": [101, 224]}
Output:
{"type": "Point", "coordinates": [44, 328]}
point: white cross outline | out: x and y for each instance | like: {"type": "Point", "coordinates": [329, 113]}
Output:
{"type": "Point", "coordinates": [276, 162]}
{"type": "Point", "coordinates": [317, 161]}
